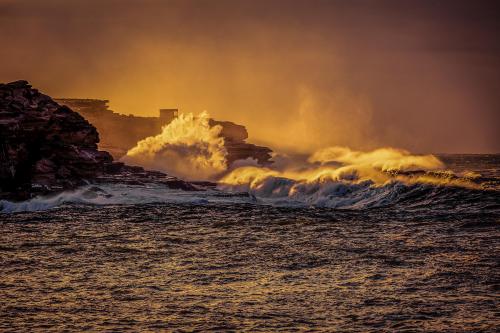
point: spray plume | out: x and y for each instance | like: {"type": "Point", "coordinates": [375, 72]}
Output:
{"type": "Point", "coordinates": [188, 147]}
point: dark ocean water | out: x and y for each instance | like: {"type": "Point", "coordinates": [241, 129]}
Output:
{"type": "Point", "coordinates": [427, 259]}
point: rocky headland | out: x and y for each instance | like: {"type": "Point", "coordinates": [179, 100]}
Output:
{"type": "Point", "coordinates": [46, 147]}
{"type": "Point", "coordinates": [119, 133]}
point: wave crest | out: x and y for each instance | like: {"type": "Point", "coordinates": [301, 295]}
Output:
{"type": "Point", "coordinates": [339, 177]}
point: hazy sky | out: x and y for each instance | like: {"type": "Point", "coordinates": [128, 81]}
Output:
{"type": "Point", "coordinates": [421, 75]}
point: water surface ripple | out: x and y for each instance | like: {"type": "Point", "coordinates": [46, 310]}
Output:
{"type": "Point", "coordinates": [248, 267]}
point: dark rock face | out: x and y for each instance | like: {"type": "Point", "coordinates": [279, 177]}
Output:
{"type": "Point", "coordinates": [120, 173]}
{"type": "Point", "coordinates": [46, 147]}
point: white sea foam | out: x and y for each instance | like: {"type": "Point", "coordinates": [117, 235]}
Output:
{"type": "Point", "coordinates": [335, 178]}
{"type": "Point", "coordinates": [120, 194]}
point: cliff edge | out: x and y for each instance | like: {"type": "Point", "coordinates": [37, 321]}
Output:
{"type": "Point", "coordinates": [46, 147]}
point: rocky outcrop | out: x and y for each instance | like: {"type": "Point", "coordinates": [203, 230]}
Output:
{"type": "Point", "coordinates": [44, 145]}
{"type": "Point", "coordinates": [119, 132]}
{"type": "Point", "coordinates": [47, 147]}
{"type": "Point", "coordinates": [242, 151]}
{"type": "Point", "coordinates": [237, 148]}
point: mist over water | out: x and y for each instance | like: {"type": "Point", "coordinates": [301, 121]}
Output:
{"type": "Point", "coordinates": [421, 76]}
{"type": "Point", "coordinates": [334, 177]}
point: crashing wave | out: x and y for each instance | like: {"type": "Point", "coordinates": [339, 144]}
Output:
{"type": "Point", "coordinates": [338, 177]}
{"type": "Point", "coordinates": [335, 178]}
{"type": "Point", "coordinates": [279, 191]}
{"type": "Point", "coordinates": [188, 148]}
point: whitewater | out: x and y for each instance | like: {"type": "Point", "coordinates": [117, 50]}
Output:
{"type": "Point", "coordinates": [333, 177]}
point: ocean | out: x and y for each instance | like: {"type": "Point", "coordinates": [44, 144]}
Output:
{"type": "Point", "coordinates": [398, 257]}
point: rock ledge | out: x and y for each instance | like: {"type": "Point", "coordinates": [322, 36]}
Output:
{"type": "Point", "coordinates": [46, 147]}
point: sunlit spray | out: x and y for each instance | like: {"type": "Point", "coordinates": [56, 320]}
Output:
{"type": "Point", "coordinates": [188, 147]}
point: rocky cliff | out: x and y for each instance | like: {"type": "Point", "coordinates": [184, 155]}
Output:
{"type": "Point", "coordinates": [46, 147]}
{"type": "Point", "coordinates": [119, 132]}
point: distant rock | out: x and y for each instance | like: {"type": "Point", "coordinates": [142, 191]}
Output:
{"type": "Point", "coordinates": [237, 148]}
{"type": "Point", "coordinates": [46, 147]}
{"type": "Point", "coordinates": [120, 133]}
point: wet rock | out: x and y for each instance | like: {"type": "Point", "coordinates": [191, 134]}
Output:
{"type": "Point", "coordinates": [43, 145]}
{"type": "Point", "coordinates": [47, 147]}
{"type": "Point", "coordinates": [120, 173]}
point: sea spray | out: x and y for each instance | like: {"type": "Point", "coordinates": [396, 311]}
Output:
{"type": "Point", "coordinates": [385, 159]}
{"type": "Point", "coordinates": [340, 177]}
{"type": "Point", "coordinates": [188, 147]}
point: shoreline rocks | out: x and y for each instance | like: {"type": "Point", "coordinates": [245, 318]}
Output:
{"type": "Point", "coordinates": [46, 147]}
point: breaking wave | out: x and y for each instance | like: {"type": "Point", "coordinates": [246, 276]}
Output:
{"type": "Point", "coordinates": [283, 192]}
{"type": "Point", "coordinates": [358, 186]}
{"type": "Point", "coordinates": [334, 178]}
{"type": "Point", "coordinates": [340, 165]}
{"type": "Point", "coordinates": [188, 147]}
{"type": "Point", "coordinates": [338, 177]}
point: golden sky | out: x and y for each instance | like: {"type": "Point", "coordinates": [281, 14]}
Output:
{"type": "Point", "coordinates": [420, 75]}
